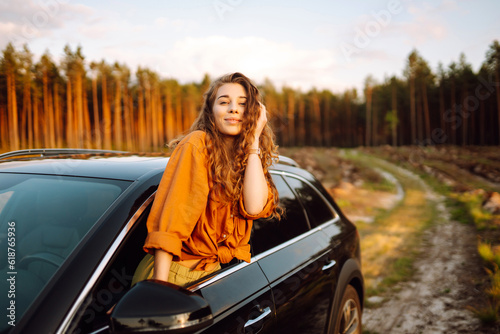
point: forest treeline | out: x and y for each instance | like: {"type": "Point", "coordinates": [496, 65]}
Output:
{"type": "Point", "coordinates": [83, 104]}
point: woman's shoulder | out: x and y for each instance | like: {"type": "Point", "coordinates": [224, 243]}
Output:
{"type": "Point", "coordinates": [196, 138]}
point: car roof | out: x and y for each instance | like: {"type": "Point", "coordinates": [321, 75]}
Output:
{"type": "Point", "coordinates": [110, 167]}
{"type": "Point", "coordinates": [121, 166]}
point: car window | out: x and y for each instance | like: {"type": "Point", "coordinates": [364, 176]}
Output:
{"type": "Point", "coordinates": [319, 212]}
{"type": "Point", "coordinates": [4, 198]}
{"type": "Point", "coordinates": [114, 282]}
{"type": "Point", "coordinates": [268, 233]}
{"type": "Point", "coordinates": [42, 220]}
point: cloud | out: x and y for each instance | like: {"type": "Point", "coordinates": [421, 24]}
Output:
{"type": "Point", "coordinates": [428, 23]}
{"type": "Point", "coordinates": [257, 57]}
{"type": "Point", "coordinates": [178, 25]}
{"type": "Point", "coordinates": [22, 21]}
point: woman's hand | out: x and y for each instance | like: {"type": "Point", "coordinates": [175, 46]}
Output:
{"type": "Point", "coordinates": [261, 123]}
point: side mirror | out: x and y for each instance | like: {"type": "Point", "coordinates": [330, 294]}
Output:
{"type": "Point", "coordinates": [153, 306]}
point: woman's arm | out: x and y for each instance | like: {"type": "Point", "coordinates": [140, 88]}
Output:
{"type": "Point", "coordinates": [254, 183]}
{"type": "Point", "coordinates": [163, 261]}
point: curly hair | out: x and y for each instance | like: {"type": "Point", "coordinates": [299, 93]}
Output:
{"type": "Point", "coordinates": [228, 182]}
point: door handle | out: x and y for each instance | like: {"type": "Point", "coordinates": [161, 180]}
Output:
{"type": "Point", "coordinates": [329, 265]}
{"type": "Point", "coordinates": [265, 313]}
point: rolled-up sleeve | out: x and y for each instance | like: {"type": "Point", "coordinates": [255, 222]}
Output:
{"type": "Point", "coordinates": [180, 200]}
{"type": "Point", "coordinates": [266, 211]}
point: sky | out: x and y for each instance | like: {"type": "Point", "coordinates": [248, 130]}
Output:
{"type": "Point", "coordinates": [327, 44]}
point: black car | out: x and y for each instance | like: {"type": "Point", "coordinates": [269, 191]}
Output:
{"type": "Point", "coordinates": [72, 227]}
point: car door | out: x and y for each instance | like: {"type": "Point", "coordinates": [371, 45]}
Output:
{"type": "Point", "coordinates": [239, 295]}
{"type": "Point", "coordinates": [241, 300]}
{"type": "Point", "coordinates": [323, 218]}
{"type": "Point", "coordinates": [296, 262]}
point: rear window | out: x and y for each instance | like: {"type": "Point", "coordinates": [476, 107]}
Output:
{"type": "Point", "coordinates": [42, 220]}
{"type": "Point", "coordinates": [319, 212]}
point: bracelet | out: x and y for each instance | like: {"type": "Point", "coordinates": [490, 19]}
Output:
{"type": "Point", "coordinates": [254, 151]}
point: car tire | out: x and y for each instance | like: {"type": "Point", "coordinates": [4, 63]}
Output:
{"type": "Point", "coordinates": [348, 319]}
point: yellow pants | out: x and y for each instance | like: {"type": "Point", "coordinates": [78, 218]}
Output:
{"type": "Point", "coordinates": [178, 274]}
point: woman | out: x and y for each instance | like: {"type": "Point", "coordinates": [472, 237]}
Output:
{"type": "Point", "coordinates": [215, 184]}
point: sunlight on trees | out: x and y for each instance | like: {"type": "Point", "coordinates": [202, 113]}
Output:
{"type": "Point", "coordinates": [107, 105]}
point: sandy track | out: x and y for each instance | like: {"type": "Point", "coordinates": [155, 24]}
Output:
{"type": "Point", "coordinates": [436, 299]}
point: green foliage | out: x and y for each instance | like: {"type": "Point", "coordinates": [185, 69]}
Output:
{"type": "Point", "coordinates": [402, 270]}
{"type": "Point", "coordinates": [391, 118]}
{"type": "Point", "coordinates": [490, 313]}
{"type": "Point", "coordinates": [472, 206]}
{"type": "Point", "coordinates": [494, 290]}
{"type": "Point", "coordinates": [365, 331]}
{"type": "Point", "coordinates": [489, 254]}
{"type": "Point", "coordinates": [458, 211]}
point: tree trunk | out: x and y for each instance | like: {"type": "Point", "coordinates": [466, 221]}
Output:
{"type": "Point", "coordinates": [69, 115]}
{"type": "Point", "coordinates": [87, 132]}
{"type": "Point", "coordinates": [413, 118]}
{"type": "Point", "coordinates": [12, 107]}
{"type": "Point", "coordinates": [368, 129]}
{"type": "Point", "coordinates": [442, 108]}
{"type": "Point", "coordinates": [169, 115]}
{"type": "Point", "coordinates": [128, 105]}
{"type": "Point", "coordinates": [4, 129]}
{"type": "Point", "coordinates": [375, 141]}
{"type": "Point", "coordinates": [49, 110]}
{"type": "Point", "coordinates": [453, 113]}
{"type": "Point", "coordinates": [497, 89]}
{"type": "Point", "coordinates": [106, 113]}
{"type": "Point", "coordinates": [148, 122]}
{"type": "Point", "coordinates": [290, 119]}
{"type": "Point", "coordinates": [79, 109]}
{"type": "Point", "coordinates": [426, 112]}
{"type": "Point", "coordinates": [326, 122]}
{"type": "Point", "coordinates": [25, 130]}
{"type": "Point", "coordinates": [53, 133]}
{"type": "Point", "coordinates": [481, 122]}
{"type": "Point", "coordinates": [97, 121]}
{"type": "Point", "coordinates": [160, 110]}
{"type": "Point", "coordinates": [349, 132]}
{"type": "Point", "coordinates": [301, 122]}
{"type": "Point", "coordinates": [394, 104]}
{"type": "Point", "coordinates": [156, 120]}
{"type": "Point", "coordinates": [420, 123]}
{"type": "Point", "coordinates": [58, 117]}
{"type": "Point", "coordinates": [141, 121]}
{"type": "Point", "coordinates": [316, 123]}
{"type": "Point", "coordinates": [117, 120]}
{"type": "Point", "coordinates": [36, 123]}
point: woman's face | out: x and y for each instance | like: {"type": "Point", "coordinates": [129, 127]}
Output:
{"type": "Point", "coordinates": [229, 107]}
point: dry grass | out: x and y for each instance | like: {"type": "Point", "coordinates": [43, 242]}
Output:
{"type": "Point", "coordinates": [394, 236]}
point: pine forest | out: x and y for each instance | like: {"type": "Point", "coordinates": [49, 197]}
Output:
{"type": "Point", "coordinates": [106, 105]}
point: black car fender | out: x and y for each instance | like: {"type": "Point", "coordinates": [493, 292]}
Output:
{"type": "Point", "coordinates": [349, 274]}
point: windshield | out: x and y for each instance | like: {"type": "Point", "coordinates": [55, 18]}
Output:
{"type": "Point", "coordinates": [42, 220]}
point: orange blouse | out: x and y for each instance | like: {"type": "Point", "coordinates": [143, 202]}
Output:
{"type": "Point", "coordinates": [189, 222]}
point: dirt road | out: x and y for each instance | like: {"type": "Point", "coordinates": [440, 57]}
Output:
{"type": "Point", "coordinates": [448, 276]}
{"type": "Point", "coordinates": [436, 299]}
